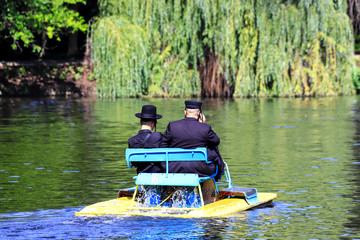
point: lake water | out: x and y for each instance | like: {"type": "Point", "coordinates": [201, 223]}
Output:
{"type": "Point", "coordinates": [59, 155]}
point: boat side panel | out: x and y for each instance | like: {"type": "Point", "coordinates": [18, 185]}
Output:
{"type": "Point", "coordinates": [229, 206]}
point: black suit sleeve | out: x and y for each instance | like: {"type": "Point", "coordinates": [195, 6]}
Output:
{"type": "Point", "coordinates": [213, 140]}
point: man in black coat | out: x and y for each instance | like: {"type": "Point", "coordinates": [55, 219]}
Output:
{"type": "Point", "coordinates": [146, 138]}
{"type": "Point", "coordinates": [193, 132]}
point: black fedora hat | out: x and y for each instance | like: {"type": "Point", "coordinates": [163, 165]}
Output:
{"type": "Point", "coordinates": [148, 112]}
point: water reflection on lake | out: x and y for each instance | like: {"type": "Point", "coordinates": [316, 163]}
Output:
{"type": "Point", "coordinates": [59, 155]}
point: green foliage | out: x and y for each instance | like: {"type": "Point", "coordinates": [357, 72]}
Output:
{"type": "Point", "coordinates": [265, 48]}
{"type": "Point", "coordinates": [303, 50]}
{"type": "Point", "coordinates": [30, 23]}
{"type": "Point", "coordinates": [121, 58]}
{"type": "Point", "coordinates": [356, 77]}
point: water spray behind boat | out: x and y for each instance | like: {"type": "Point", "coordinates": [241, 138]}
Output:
{"type": "Point", "coordinates": [171, 197]}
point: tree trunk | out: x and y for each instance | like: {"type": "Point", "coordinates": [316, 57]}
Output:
{"type": "Point", "coordinates": [213, 83]}
{"type": "Point", "coordinates": [73, 48]}
{"type": "Point", "coordinates": [354, 14]}
{"type": "Point", "coordinates": [73, 44]}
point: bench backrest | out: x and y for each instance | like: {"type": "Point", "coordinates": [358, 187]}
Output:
{"type": "Point", "coordinates": [166, 155]}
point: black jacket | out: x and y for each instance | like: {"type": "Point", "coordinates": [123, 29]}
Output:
{"type": "Point", "coordinates": [190, 133]}
{"type": "Point", "coordinates": [146, 139]}
{"type": "Point", "coordinates": [153, 141]}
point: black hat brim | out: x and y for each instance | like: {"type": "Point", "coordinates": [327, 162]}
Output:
{"type": "Point", "coordinates": [148, 116]}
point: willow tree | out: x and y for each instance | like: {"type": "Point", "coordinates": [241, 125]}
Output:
{"type": "Point", "coordinates": [223, 48]}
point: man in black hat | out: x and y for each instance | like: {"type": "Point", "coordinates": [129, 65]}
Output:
{"type": "Point", "coordinates": [193, 132]}
{"type": "Point", "coordinates": [146, 138]}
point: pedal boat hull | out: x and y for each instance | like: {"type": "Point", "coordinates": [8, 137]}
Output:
{"type": "Point", "coordinates": [222, 208]}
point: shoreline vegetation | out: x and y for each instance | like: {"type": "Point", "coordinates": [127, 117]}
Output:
{"type": "Point", "coordinates": [72, 78]}
{"type": "Point", "coordinates": [68, 78]}
{"type": "Point", "coordinates": [240, 48]}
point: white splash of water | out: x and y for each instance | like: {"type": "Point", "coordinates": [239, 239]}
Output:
{"type": "Point", "coordinates": [173, 197]}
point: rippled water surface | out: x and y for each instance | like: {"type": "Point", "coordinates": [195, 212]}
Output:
{"type": "Point", "coordinates": [59, 155]}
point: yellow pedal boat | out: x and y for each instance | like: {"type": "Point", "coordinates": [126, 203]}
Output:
{"type": "Point", "coordinates": [182, 195]}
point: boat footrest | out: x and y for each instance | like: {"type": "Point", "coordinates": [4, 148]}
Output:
{"type": "Point", "coordinates": [167, 179]}
{"type": "Point", "coordinates": [250, 194]}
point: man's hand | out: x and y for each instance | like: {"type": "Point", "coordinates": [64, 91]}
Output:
{"type": "Point", "coordinates": [202, 118]}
